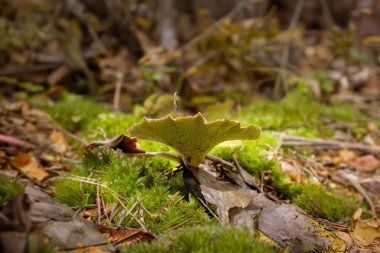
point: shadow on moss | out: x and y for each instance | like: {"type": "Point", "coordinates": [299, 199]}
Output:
{"type": "Point", "coordinates": [205, 239]}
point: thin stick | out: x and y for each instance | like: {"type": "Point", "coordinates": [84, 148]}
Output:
{"type": "Point", "coordinates": [93, 182]}
{"type": "Point", "coordinates": [175, 104]}
{"type": "Point", "coordinates": [14, 141]}
{"type": "Point", "coordinates": [319, 207]}
{"type": "Point", "coordinates": [71, 135]}
{"type": "Point", "coordinates": [178, 225]}
{"type": "Point", "coordinates": [98, 204]}
{"type": "Point", "coordinates": [220, 160]}
{"type": "Point", "coordinates": [290, 140]}
{"type": "Point", "coordinates": [166, 155]}
{"type": "Point", "coordinates": [167, 203]}
{"type": "Point", "coordinates": [355, 183]}
{"type": "Point", "coordinates": [116, 98]}
{"type": "Point", "coordinates": [240, 170]}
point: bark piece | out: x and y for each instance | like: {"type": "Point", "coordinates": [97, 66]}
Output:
{"type": "Point", "coordinates": [284, 223]}
{"type": "Point", "coordinates": [74, 233]}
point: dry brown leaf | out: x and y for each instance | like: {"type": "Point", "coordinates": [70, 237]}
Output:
{"type": "Point", "coordinates": [125, 235]}
{"type": "Point", "coordinates": [58, 142]}
{"type": "Point", "coordinates": [367, 163]}
{"type": "Point", "coordinates": [28, 164]}
{"type": "Point", "coordinates": [372, 184]}
{"type": "Point", "coordinates": [366, 232]}
{"type": "Point", "coordinates": [122, 142]}
{"type": "Point", "coordinates": [89, 250]}
{"type": "Point", "coordinates": [344, 156]}
{"type": "Point", "coordinates": [356, 216]}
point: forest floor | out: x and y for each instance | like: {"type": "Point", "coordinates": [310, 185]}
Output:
{"type": "Point", "coordinates": [323, 158]}
{"type": "Point", "coordinates": [69, 182]}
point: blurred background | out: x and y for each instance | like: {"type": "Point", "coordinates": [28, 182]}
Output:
{"type": "Point", "coordinates": [131, 54]}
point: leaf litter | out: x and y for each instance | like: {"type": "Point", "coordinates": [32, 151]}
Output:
{"type": "Point", "coordinates": [34, 149]}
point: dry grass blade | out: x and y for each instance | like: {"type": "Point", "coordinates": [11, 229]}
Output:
{"type": "Point", "coordinates": [94, 182]}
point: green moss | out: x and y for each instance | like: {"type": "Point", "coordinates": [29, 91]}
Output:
{"type": "Point", "coordinates": [205, 239]}
{"type": "Point", "coordinates": [74, 194]}
{"type": "Point", "coordinates": [318, 201]}
{"type": "Point", "coordinates": [112, 123]}
{"type": "Point", "coordinates": [73, 112]}
{"type": "Point", "coordinates": [9, 189]}
{"type": "Point", "coordinates": [133, 181]}
{"type": "Point", "coordinates": [299, 114]}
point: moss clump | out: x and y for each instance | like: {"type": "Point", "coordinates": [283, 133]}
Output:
{"type": "Point", "coordinates": [73, 112]}
{"type": "Point", "coordinates": [112, 123]}
{"type": "Point", "coordinates": [316, 200]}
{"type": "Point", "coordinates": [299, 114]}
{"type": "Point", "coordinates": [135, 182]}
{"type": "Point", "coordinates": [205, 239]}
{"type": "Point", "coordinates": [9, 189]}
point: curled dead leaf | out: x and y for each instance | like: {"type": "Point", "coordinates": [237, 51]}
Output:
{"type": "Point", "coordinates": [367, 163]}
{"type": "Point", "coordinates": [58, 142]}
{"type": "Point", "coordinates": [366, 232]}
{"type": "Point", "coordinates": [121, 142]}
{"type": "Point", "coordinates": [28, 164]}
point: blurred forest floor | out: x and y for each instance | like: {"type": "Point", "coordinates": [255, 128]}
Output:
{"type": "Point", "coordinates": [306, 71]}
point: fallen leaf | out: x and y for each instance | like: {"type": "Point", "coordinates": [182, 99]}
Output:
{"type": "Point", "coordinates": [28, 164]}
{"type": "Point", "coordinates": [122, 142]}
{"type": "Point", "coordinates": [367, 163]}
{"type": "Point", "coordinates": [58, 142]}
{"type": "Point", "coordinates": [192, 137]}
{"type": "Point", "coordinates": [366, 232]}
{"type": "Point", "coordinates": [356, 216]}
{"type": "Point", "coordinates": [126, 236]}
{"type": "Point", "coordinates": [225, 200]}
{"type": "Point", "coordinates": [73, 234]}
{"type": "Point", "coordinates": [372, 184]}
{"type": "Point", "coordinates": [92, 249]}
{"type": "Point", "coordinates": [344, 156]}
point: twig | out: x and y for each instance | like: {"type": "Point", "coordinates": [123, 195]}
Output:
{"type": "Point", "coordinates": [167, 155]}
{"type": "Point", "coordinates": [167, 203]}
{"type": "Point", "coordinates": [116, 98]}
{"type": "Point", "coordinates": [290, 140]}
{"type": "Point", "coordinates": [83, 208]}
{"type": "Point", "coordinates": [145, 209]}
{"type": "Point", "coordinates": [175, 104]}
{"type": "Point", "coordinates": [178, 225]}
{"type": "Point", "coordinates": [310, 162]}
{"type": "Point", "coordinates": [128, 212]}
{"type": "Point", "coordinates": [220, 160]}
{"type": "Point", "coordinates": [115, 210]}
{"type": "Point", "coordinates": [240, 171]}
{"type": "Point", "coordinates": [319, 207]}
{"type": "Point", "coordinates": [10, 140]}
{"type": "Point", "coordinates": [355, 183]}
{"type": "Point", "coordinates": [71, 135]}
{"type": "Point", "coordinates": [98, 204]}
